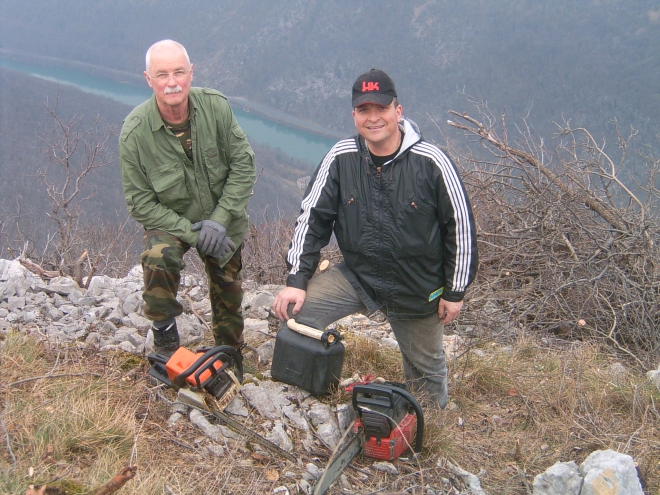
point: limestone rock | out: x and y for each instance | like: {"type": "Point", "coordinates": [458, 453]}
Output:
{"type": "Point", "coordinates": [63, 285]}
{"type": "Point", "coordinates": [563, 478]}
{"type": "Point", "coordinates": [607, 472]}
{"type": "Point", "coordinates": [256, 331]}
{"type": "Point", "coordinates": [267, 398]}
{"type": "Point", "coordinates": [279, 437]}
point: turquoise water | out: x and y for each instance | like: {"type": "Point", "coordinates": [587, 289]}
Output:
{"type": "Point", "coordinates": [296, 143]}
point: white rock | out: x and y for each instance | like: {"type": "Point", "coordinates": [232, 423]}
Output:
{"type": "Point", "coordinates": [469, 479]}
{"type": "Point", "coordinates": [174, 418]}
{"type": "Point", "coordinates": [654, 376]}
{"type": "Point", "coordinates": [212, 431]}
{"type": "Point", "coordinates": [562, 478]}
{"type": "Point", "coordinates": [196, 294]}
{"type": "Point", "coordinates": [607, 471]}
{"type": "Point", "coordinates": [237, 407]}
{"type": "Point", "coordinates": [267, 398]}
{"type": "Point", "coordinates": [386, 467]}
{"type": "Point", "coordinates": [29, 316]}
{"type": "Point", "coordinates": [345, 416]}
{"type": "Point", "coordinates": [266, 350]}
{"type": "Point", "coordinates": [216, 450]}
{"type": "Point", "coordinates": [64, 285]}
{"type": "Point", "coordinates": [296, 416]}
{"type": "Point", "coordinates": [127, 347]}
{"type": "Point", "coordinates": [329, 433]}
{"type": "Point", "coordinates": [108, 328]}
{"type": "Point", "coordinates": [279, 437]}
{"type": "Point", "coordinates": [255, 330]}
{"type": "Point", "coordinates": [15, 303]}
{"type": "Point", "coordinates": [132, 303]}
{"type": "Point", "coordinates": [319, 413]}
{"type": "Point", "coordinates": [305, 487]}
{"type": "Point", "coordinates": [13, 269]}
{"type": "Point", "coordinates": [313, 469]}
{"type": "Point", "coordinates": [135, 272]}
{"type": "Point", "coordinates": [390, 343]}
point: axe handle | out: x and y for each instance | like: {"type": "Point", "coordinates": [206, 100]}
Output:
{"type": "Point", "coordinates": [314, 333]}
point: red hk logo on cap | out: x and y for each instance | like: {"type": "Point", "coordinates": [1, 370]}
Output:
{"type": "Point", "coordinates": [370, 86]}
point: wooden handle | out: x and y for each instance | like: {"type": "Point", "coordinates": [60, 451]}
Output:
{"type": "Point", "coordinates": [328, 338]}
{"type": "Point", "coordinates": [304, 329]}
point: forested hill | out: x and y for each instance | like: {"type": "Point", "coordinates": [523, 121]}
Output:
{"type": "Point", "coordinates": [589, 61]}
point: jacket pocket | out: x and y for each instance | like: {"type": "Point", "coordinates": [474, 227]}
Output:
{"type": "Point", "coordinates": [419, 231]}
{"type": "Point", "coordinates": [350, 219]}
{"type": "Point", "coordinates": [170, 186]}
{"type": "Point", "coordinates": [216, 170]}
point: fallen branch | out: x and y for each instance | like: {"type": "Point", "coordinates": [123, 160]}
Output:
{"type": "Point", "coordinates": [118, 481]}
{"type": "Point", "coordinates": [13, 384]}
{"type": "Point", "coordinates": [114, 485]}
{"type": "Point", "coordinates": [36, 269]}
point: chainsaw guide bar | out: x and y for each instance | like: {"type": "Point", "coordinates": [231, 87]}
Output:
{"type": "Point", "coordinates": [200, 402]}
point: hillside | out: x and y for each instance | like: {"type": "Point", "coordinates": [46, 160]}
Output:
{"type": "Point", "coordinates": [24, 118]}
{"type": "Point", "coordinates": [590, 61]}
{"type": "Point", "coordinates": [78, 405]}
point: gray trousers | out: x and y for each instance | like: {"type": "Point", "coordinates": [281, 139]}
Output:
{"type": "Point", "coordinates": [331, 297]}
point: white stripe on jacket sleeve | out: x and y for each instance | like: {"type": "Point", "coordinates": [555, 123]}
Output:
{"type": "Point", "coordinates": [459, 204]}
{"type": "Point", "coordinates": [312, 198]}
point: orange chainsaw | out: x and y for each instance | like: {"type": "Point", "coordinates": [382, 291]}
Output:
{"type": "Point", "coordinates": [208, 380]}
{"type": "Point", "coordinates": [218, 371]}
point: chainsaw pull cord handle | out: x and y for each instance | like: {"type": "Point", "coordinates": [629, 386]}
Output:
{"type": "Point", "coordinates": [384, 390]}
{"type": "Point", "coordinates": [229, 351]}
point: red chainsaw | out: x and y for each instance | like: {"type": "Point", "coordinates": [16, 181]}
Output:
{"type": "Point", "coordinates": [387, 419]}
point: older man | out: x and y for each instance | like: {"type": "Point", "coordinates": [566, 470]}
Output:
{"type": "Point", "coordinates": [187, 171]}
{"type": "Point", "coordinates": [404, 224]}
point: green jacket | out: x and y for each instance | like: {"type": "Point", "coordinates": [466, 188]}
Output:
{"type": "Point", "coordinates": [165, 191]}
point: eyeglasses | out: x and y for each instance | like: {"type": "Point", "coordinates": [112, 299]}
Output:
{"type": "Point", "coordinates": [165, 76]}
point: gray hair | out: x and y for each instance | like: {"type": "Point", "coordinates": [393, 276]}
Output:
{"type": "Point", "coordinates": [162, 44]}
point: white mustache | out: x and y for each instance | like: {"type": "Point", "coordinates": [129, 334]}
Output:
{"type": "Point", "coordinates": [176, 89]}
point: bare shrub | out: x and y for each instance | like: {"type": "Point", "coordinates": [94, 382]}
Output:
{"type": "Point", "coordinates": [565, 246]}
{"type": "Point", "coordinates": [73, 153]}
{"type": "Point", "coordinates": [81, 244]}
{"type": "Point", "coordinates": [265, 248]}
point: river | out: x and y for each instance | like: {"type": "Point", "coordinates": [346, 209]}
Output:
{"type": "Point", "coordinates": [294, 142]}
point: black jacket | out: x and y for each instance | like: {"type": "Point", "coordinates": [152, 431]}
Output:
{"type": "Point", "coordinates": [406, 232]}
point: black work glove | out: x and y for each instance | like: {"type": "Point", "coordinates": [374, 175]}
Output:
{"type": "Point", "coordinates": [213, 239]}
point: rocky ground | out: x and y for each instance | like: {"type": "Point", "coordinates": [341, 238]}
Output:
{"type": "Point", "coordinates": [108, 316]}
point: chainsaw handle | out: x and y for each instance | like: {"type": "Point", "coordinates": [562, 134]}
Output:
{"type": "Point", "coordinates": [385, 391]}
{"type": "Point", "coordinates": [199, 367]}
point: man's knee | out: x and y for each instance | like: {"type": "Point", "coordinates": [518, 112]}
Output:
{"type": "Point", "coordinates": [162, 251]}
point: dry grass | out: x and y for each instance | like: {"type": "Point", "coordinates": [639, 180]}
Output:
{"type": "Point", "coordinates": [517, 411]}
{"type": "Point", "coordinates": [522, 410]}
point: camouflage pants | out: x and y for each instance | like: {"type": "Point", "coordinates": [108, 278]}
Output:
{"type": "Point", "coordinates": [162, 263]}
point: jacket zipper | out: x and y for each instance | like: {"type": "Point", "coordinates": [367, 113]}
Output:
{"type": "Point", "coordinates": [380, 240]}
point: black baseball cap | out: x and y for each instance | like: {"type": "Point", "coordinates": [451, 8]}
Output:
{"type": "Point", "coordinates": [373, 87]}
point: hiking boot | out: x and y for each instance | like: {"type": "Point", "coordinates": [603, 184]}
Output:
{"type": "Point", "coordinates": [166, 339]}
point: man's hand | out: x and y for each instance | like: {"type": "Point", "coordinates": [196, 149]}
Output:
{"type": "Point", "coordinates": [448, 311]}
{"type": "Point", "coordinates": [213, 240]}
{"type": "Point", "coordinates": [288, 295]}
